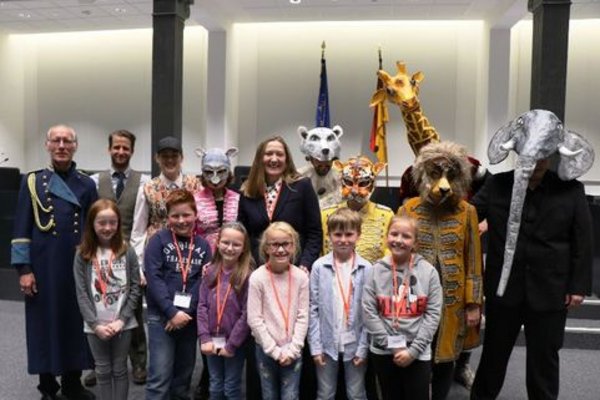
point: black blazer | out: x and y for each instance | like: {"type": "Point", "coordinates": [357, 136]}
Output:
{"type": "Point", "coordinates": [297, 205]}
{"type": "Point", "coordinates": [553, 256]}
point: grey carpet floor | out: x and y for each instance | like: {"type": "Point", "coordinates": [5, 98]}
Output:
{"type": "Point", "coordinates": [580, 369]}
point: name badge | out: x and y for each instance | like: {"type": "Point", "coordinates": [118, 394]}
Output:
{"type": "Point", "coordinates": [396, 342]}
{"type": "Point", "coordinates": [348, 337]}
{"type": "Point", "coordinates": [182, 300]}
{"type": "Point", "coordinates": [219, 342]}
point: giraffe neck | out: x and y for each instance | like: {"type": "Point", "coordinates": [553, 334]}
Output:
{"type": "Point", "coordinates": [418, 128]}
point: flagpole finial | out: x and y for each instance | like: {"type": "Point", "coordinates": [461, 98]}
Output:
{"type": "Point", "coordinates": [323, 46]}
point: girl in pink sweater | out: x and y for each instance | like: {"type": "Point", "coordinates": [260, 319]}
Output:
{"type": "Point", "coordinates": [278, 312]}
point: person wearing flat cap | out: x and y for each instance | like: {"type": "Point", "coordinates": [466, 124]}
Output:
{"type": "Point", "coordinates": [150, 214]}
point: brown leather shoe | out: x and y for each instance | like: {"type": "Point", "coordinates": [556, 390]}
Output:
{"type": "Point", "coordinates": [139, 376]}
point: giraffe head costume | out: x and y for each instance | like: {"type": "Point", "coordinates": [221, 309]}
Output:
{"type": "Point", "coordinates": [403, 89]}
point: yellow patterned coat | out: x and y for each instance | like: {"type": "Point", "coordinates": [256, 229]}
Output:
{"type": "Point", "coordinates": [451, 243]}
{"type": "Point", "coordinates": [375, 221]}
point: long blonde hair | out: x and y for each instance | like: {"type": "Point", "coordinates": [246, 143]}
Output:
{"type": "Point", "coordinates": [254, 186]}
{"type": "Point", "coordinates": [245, 264]}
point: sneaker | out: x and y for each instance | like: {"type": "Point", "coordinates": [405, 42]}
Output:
{"type": "Point", "coordinates": [139, 376]}
{"type": "Point", "coordinates": [90, 379]}
{"type": "Point", "coordinates": [464, 376]}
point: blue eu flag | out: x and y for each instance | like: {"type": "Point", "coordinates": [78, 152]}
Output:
{"type": "Point", "coordinates": [322, 118]}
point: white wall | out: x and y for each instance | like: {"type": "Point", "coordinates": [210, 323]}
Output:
{"type": "Point", "coordinates": [11, 103]}
{"type": "Point", "coordinates": [101, 81]}
{"type": "Point", "coordinates": [582, 108]}
{"type": "Point", "coordinates": [98, 82]}
{"type": "Point", "coordinates": [275, 75]}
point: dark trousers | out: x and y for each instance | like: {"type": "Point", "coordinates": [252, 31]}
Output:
{"type": "Point", "coordinates": [70, 382]}
{"type": "Point", "coordinates": [544, 333]}
{"type": "Point", "coordinates": [308, 379]}
{"type": "Point", "coordinates": [204, 375]}
{"type": "Point", "coordinates": [138, 353]}
{"type": "Point", "coordinates": [441, 380]}
{"type": "Point", "coordinates": [253, 388]}
{"type": "Point", "coordinates": [398, 383]}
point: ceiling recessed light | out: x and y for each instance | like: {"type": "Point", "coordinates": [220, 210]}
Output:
{"type": "Point", "coordinates": [24, 15]}
{"type": "Point", "coordinates": [120, 10]}
{"type": "Point", "coordinates": [295, 1]}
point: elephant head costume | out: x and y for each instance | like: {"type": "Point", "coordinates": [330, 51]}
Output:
{"type": "Point", "coordinates": [535, 135]}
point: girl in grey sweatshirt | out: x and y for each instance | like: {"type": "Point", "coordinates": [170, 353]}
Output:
{"type": "Point", "coordinates": [402, 302]}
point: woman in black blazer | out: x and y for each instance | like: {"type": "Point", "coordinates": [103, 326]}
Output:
{"type": "Point", "coordinates": [274, 191]}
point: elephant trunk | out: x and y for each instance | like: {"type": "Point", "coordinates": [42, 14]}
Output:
{"type": "Point", "coordinates": [523, 171]}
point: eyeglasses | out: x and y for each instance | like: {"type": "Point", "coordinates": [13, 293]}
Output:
{"type": "Point", "coordinates": [274, 246]}
{"type": "Point", "coordinates": [66, 142]}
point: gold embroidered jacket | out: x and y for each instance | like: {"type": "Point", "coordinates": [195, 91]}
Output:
{"type": "Point", "coordinates": [450, 242]}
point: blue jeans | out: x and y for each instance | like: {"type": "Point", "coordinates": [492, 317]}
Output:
{"type": "Point", "coordinates": [172, 356]}
{"type": "Point", "coordinates": [226, 376]}
{"type": "Point", "coordinates": [327, 379]}
{"type": "Point", "coordinates": [278, 382]}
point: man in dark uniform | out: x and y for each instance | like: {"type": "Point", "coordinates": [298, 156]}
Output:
{"type": "Point", "coordinates": [121, 184]}
{"type": "Point", "coordinates": [53, 203]}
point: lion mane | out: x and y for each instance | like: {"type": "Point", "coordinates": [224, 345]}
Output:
{"type": "Point", "coordinates": [442, 160]}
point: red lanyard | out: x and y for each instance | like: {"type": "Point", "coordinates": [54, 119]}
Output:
{"type": "Point", "coordinates": [271, 210]}
{"type": "Point", "coordinates": [345, 299]}
{"type": "Point", "coordinates": [405, 283]}
{"type": "Point", "coordinates": [284, 314]}
{"type": "Point", "coordinates": [185, 269]}
{"type": "Point", "coordinates": [221, 309]}
{"type": "Point", "coordinates": [101, 278]}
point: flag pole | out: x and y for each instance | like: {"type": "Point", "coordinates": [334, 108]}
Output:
{"type": "Point", "coordinates": [323, 49]}
{"type": "Point", "coordinates": [387, 172]}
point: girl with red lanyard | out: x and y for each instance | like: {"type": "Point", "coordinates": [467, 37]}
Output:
{"type": "Point", "coordinates": [107, 283]}
{"type": "Point", "coordinates": [173, 262]}
{"type": "Point", "coordinates": [278, 313]}
{"type": "Point", "coordinates": [402, 300]}
{"type": "Point", "coordinates": [222, 325]}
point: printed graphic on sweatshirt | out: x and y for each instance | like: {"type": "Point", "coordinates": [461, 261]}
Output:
{"type": "Point", "coordinates": [115, 276]}
{"type": "Point", "coordinates": [404, 303]}
{"type": "Point", "coordinates": [172, 256]}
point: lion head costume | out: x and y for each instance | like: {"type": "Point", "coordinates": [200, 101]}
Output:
{"type": "Point", "coordinates": [442, 173]}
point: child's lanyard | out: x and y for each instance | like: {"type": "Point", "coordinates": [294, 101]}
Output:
{"type": "Point", "coordinates": [101, 278]}
{"type": "Point", "coordinates": [221, 309]}
{"type": "Point", "coordinates": [405, 284]}
{"type": "Point", "coordinates": [185, 269]}
{"type": "Point", "coordinates": [284, 314]}
{"type": "Point", "coordinates": [271, 210]}
{"type": "Point", "coordinates": [346, 300]}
